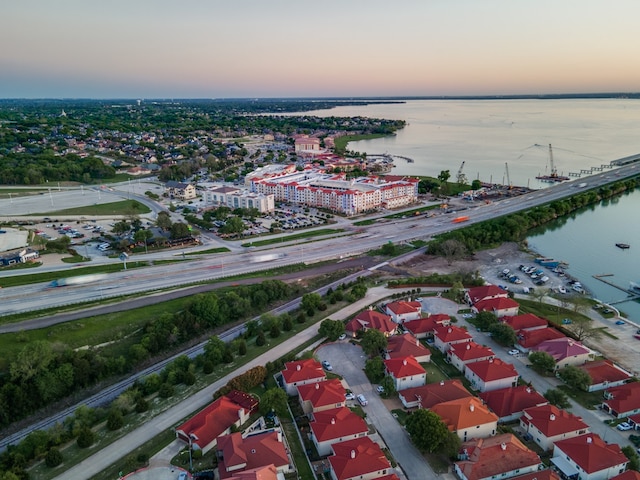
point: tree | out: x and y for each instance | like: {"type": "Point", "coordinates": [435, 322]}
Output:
{"type": "Point", "coordinates": [575, 377]}
{"type": "Point", "coordinates": [374, 369]}
{"type": "Point", "coordinates": [476, 184]}
{"type": "Point", "coordinates": [558, 398]}
{"type": "Point", "coordinates": [143, 236]}
{"type": "Point", "coordinates": [373, 342]}
{"type": "Point", "coordinates": [274, 399]}
{"type": "Point", "coordinates": [180, 230]}
{"type": "Point", "coordinates": [33, 359]}
{"type": "Point", "coordinates": [121, 227]}
{"type": "Point", "coordinates": [443, 177]}
{"type": "Point", "coordinates": [542, 361]}
{"type": "Point", "coordinates": [485, 319]}
{"type": "Point", "coordinates": [164, 221]}
{"type": "Point", "coordinates": [634, 461]}
{"type": "Point", "coordinates": [452, 250]}
{"type": "Point", "coordinates": [115, 419]}
{"type": "Point", "coordinates": [86, 437]}
{"type": "Point", "coordinates": [389, 387]}
{"type": "Point", "coordinates": [53, 458]}
{"type": "Point", "coordinates": [331, 329]}
{"type": "Point", "coordinates": [582, 328]}
{"type": "Point", "coordinates": [428, 432]}
{"type": "Point", "coordinates": [503, 334]}
{"type": "Point", "coordinates": [233, 226]}
{"type": "Point", "coordinates": [310, 302]}
{"type": "Point", "coordinates": [457, 291]}
{"type": "Point", "coordinates": [388, 249]}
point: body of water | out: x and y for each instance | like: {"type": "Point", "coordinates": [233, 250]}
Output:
{"type": "Point", "coordinates": [487, 134]}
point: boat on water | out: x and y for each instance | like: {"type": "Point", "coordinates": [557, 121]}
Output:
{"type": "Point", "coordinates": [553, 176]}
{"type": "Point", "coordinates": [623, 246]}
{"type": "Point", "coordinates": [634, 286]}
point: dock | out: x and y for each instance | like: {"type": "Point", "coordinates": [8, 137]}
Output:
{"type": "Point", "coordinates": [631, 294]}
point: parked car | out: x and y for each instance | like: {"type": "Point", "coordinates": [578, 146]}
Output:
{"type": "Point", "coordinates": [566, 321]}
{"type": "Point", "coordinates": [349, 396]}
{"type": "Point", "coordinates": [380, 389]}
{"type": "Point", "coordinates": [624, 426]}
{"type": "Point", "coordinates": [326, 365]}
{"type": "Point", "coordinates": [619, 322]}
{"type": "Point", "coordinates": [362, 400]}
{"type": "Point", "coordinates": [342, 337]}
{"type": "Point", "coordinates": [514, 352]}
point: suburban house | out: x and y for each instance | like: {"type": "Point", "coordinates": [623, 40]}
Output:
{"type": "Point", "coordinates": [508, 403]}
{"type": "Point", "coordinates": [429, 395]}
{"type": "Point", "coordinates": [424, 327]}
{"type": "Point", "coordinates": [336, 425]}
{"type": "Point", "coordinates": [406, 372]}
{"type": "Point", "coordinates": [565, 351]}
{"type": "Point", "coordinates": [588, 457]}
{"type": "Point", "coordinates": [402, 311]}
{"type": "Point", "coordinates": [361, 458]}
{"type": "Point", "coordinates": [180, 190]}
{"type": "Point", "coordinates": [203, 429]}
{"type": "Point", "coordinates": [528, 339]}
{"type": "Point", "coordinates": [371, 319]}
{"type": "Point", "coordinates": [469, 352]}
{"type": "Point", "coordinates": [548, 424]}
{"type": "Point", "coordinates": [501, 307]}
{"type": "Point", "coordinates": [634, 421]}
{"type": "Point", "coordinates": [20, 256]}
{"type": "Point", "coordinates": [261, 473]}
{"type": "Point", "coordinates": [546, 474]}
{"type": "Point", "coordinates": [525, 321]}
{"type": "Point", "coordinates": [237, 452]}
{"type": "Point", "coordinates": [467, 417]}
{"type": "Point", "coordinates": [301, 372]}
{"type": "Point", "coordinates": [622, 401]}
{"type": "Point", "coordinates": [400, 346]}
{"type": "Point", "coordinates": [605, 374]}
{"type": "Point", "coordinates": [444, 337]}
{"type": "Point", "coordinates": [627, 475]}
{"type": "Point", "coordinates": [502, 456]}
{"type": "Point", "coordinates": [491, 374]}
{"type": "Point", "coordinates": [485, 292]}
{"type": "Point", "coordinates": [319, 396]}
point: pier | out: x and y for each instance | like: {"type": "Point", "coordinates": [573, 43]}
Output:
{"type": "Point", "coordinates": [390, 157]}
{"type": "Point", "coordinates": [631, 294]}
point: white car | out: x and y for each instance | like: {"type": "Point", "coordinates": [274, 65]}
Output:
{"type": "Point", "coordinates": [327, 366]}
{"type": "Point", "coordinates": [380, 389]}
{"type": "Point", "coordinates": [349, 396]}
{"type": "Point", "coordinates": [514, 352]}
{"type": "Point", "coordinates": [624, 426]}
{"type": "Point", "coordinates": [362, 400]}
{"type": "Point", "coordinates": [342, 337]}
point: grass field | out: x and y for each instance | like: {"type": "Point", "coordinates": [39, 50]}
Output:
{"type": "Point", "coordinates": [123, 207]}
{"type": "Point", "coordinates": [297, 236]}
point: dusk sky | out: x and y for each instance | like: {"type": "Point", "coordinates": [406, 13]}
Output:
{"type": "Point", "coordinates": [296, 48]}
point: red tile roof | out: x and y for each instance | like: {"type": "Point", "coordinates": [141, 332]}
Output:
{"type": "Point", "coordinates": [301, 370]}
{"type": "Point", "coordinates": [404, 367]}
{"type": "Point", "coordinates": [470, 351]}
{"type": "Point", "coordinates": [531, 338]}
{"type": "Point", "coordinates": [429, 324]}
{"type": "Point", "coordinates": [490, 370]}
{"type": "Point", "coordinates": [402, 307]}
{"type": "Point", "coordinates": [255, 451]}
{"type": "Point", "coordinates": [496, 304]}
{"type": "Point", "coordinates": [261, 473]}
{"type": "Point", "coordinates": [464, 413]}
{"type": "Point", "coordinates": [507, 401]}
{"type": "Point", "coordinates": [452, 334]}
{"type": "Point", "coordinates": [561, 348]}
{"type": "Point", "coordinates": [626, 398]}
{"type": "Point", "coordinates": [357, 457]}
{"type": "Point", "coordinates": [626, 475]}
{"type": "Point", "coordinates": [526, 320]}
{"type": "Point", "coordinates": [604, 371]}
{"type": "Point", "coordinates": [371, 319]}
{"type": "Point", "coordinates": [592, 453]}
{"type": "Point", "coordinates": [434, 393]}
{"type": "Point", "coordinates": [546, 474]}
{"type": "Point", "coordinates": [489, 457]}
{"type": "Point", "coordinates": [321, 394]}
{"type": "Point", "coordinates": [337, 423]}
{"type": "Point", "coordinates": [405, 345]}
{"type": "Point", "coordinates": [477, 294]}
{"type": "Point", "coordinates": [552, 421]}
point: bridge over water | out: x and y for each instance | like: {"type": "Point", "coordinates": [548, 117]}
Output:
{"type": "Point", "coordinates": [614, 163]}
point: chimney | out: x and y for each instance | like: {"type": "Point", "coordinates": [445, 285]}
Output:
{"type": "Point", "coordinates": [404, 362]}
{"type": "Point", "coordinates": [441, 382]}
{"type": "Point", "coordinates": [472, 407]}
{"type": "Point", "coordinates": [528, 389]}
{"type": "Point", "coordinates": [417, 342]}
{"type": "Point", "coordinates": [298, 367]}
{"type": "Point", "coordinates": [503, 446]}
{"type": "Point", "coordinates": [468, 346]}
{"type": "Point", "coordinates": [589, 440]}
{"type": "Point", "coordinates": [333, 421]}
{"type": "Point", "coordinates": [317, 386]}
{"type": "Point", "coordinates": [450, 330]}
{"type": "Point", "coordinates": [552, 417]}
{"type": "Point", "coordinates": [353, 454]}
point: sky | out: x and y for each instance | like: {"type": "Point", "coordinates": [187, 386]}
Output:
{"type": "Point", "coordinates": [327, 48]}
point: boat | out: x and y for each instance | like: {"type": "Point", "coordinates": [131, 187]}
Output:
{"type": "Point", "coordinates": [623, 246]}
{"type": "Point", "coordinates": [553, 177]}
{"type": "Point", "coordinates": [634, 286]}
{"type": "Point", "coordinates": [547, 262]}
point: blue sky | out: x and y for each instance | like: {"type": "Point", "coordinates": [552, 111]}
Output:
{"type": "Point", "coordinates": [276, 48]}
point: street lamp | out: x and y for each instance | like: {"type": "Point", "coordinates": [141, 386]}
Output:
{"type": "Point", "coordinates": [191, 438]}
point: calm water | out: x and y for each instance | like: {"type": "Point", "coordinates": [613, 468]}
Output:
{"type": "Point", "coordinates": [486, 134]}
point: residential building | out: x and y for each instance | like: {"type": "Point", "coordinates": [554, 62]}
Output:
{"type": "Point", "coordinates": [485, 292]}
{"type": "Point", "coordinates": [529, 339]}
{"type": "Point", "coordinates": [401, 346]}
{"type": "Point", "coordinates": [234, 197]}
{"type": "Point", "coordinates": [627, 475]}
{"type": "Point", "coordinates": [463, 354]}
{"type": "Point", "coordinates": [371, 319]}
{"type": "Point", "coordinates": [547, 424]}
{"type": "Point", "coordinates": [444, 337]}
{"type": "Point", "coordinates": [429, 395]}
{"type": "Point", "coordinates": [467, 417]}
{"type": "Point", "coordinates": [403, 311]}
{"type": "Point", "coordinates": [180, 190]}
{"type": "Point", "coordinates": [622, 401]}
{"type": "Point", "coordinates": [503, 456]}
{"type": "Point", "coordinates": [491, 374]}
{"type": "Point", "coordinates": [565, 351]}
{"type": "Point", "coordinates": [425, 327]}
{"type": "Point", "coordinates": [605, 374]}
{"type": "Point", "coordinates": [508, 403]}
{"type": "Point", "coordinates": [525, 321]}
{"type": "Point", "coordinates": [500, 307]}
{"type": "Point", "coordinates": [301, 372]}
{"type": "Point", "coordinates": [360, 459]}
{"type": "Point", "coordinates": [334, 426]}
{"type": "Point", "coordinates": [405, 372]}
{"type": "Point", "coordinates": [307, 145]}
{"type": "Point", "coordinates": [319, 396]}
{"type": "Point", "coordinates": [261, 473]}
{"type": "Point", "coordinates": [588, 457]}
{"type": "Point", "coordinates": [237, 453]}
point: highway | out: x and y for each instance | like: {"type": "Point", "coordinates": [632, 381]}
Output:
{"type": "Point", "coordinates": [204, 267]}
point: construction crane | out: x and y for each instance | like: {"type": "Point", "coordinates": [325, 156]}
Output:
{"type": "Point", "coordinates": [506, 169]}
{"type": "Point", "coordinates": [462, 178]}
{"type": "Point", "coordinates": [554, 172]}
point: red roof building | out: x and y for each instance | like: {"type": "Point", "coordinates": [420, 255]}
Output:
{"type": "Point", "coordinates": [548, 424]}
{"type": "Point", "coordinates": [301, 372]}
{"type": "Point", "coordinates": [627, 475]}
{"type": "Point", "coordinates": [400, 346]}
{"type": "Point", "coordinates": [465, 353]}
{"type": "Point", "coordinates": [358, 459]}
{"type": "Point", "coordinates": [467, 417]}
{"type": "Point", "coordinates": [237, 453]}
{"type": "Point", "coordinates": [203, 429]}
{"type": "Point", "coordinates": [528, 339]}
{"type": "Point", "coordinates": [444, 337]}
{"type": "Point", "coordinates": [485, 292]}
{"type": "Point", "coordinates": [605, 374]}
{"type": "Point", "coordinates": [261, 473]}
{"type": "Point", "coordinates": [371, 319]}
{"type": "Point", "coordinates": [491, 374]}
{"type": "Point", "coordinates": [590, 457]}
{"type": "Point", "coordinates": [424, 327]}
{"type": "Point", "coordinates": [429, 395]}
{"type": "Point", "coordinates": [526, 321]}
{"type": "Point", "coordinates": [546, 474]}
{"type": "Point", "coordinates": [503, 456]}
{"type": "Point", "coordinates": [508, 403]}
{"type": "Point", "coordinates": [336, 425]}
{"type": "Point", "coordinates": [501, 307]}
{"type": "Point", "coordinates": [406, 372]}
{"type": "Point", "coordinates": [402, 311]}
{"type": "Point", "coordinates": [622, 401]}
{"type": "Point", "coordinates": [565, 351]}
{"type": "Point", "coordinates": [319, 396]}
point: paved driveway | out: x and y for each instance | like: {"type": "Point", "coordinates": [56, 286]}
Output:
{"type": "Point", "coordinates": [348, 360]}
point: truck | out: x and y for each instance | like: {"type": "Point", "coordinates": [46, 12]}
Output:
{"type": "Point", "coordinates": [265, 257]}
{"type": "Point", "coordinates": [79, 280]}
{"type": "Point", "coordinates": [460, 219]}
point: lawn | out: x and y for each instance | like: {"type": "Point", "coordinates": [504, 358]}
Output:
{"type": "Point", "coordinates": [293, 237]}
{"type": "Point", "coordinates": [123, 207]}
{"type": "Point", "coordinates": [589, 400]}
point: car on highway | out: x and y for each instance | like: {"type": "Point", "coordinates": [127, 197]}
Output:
{"type": "Point", "coordinates": [514, 352]}
{"type": "Point", "coordinates": [326, 365]}
{"type": "Point", "coordinates": [624, 426]}
{"type": "Point", "coordinates": [362, 400]}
